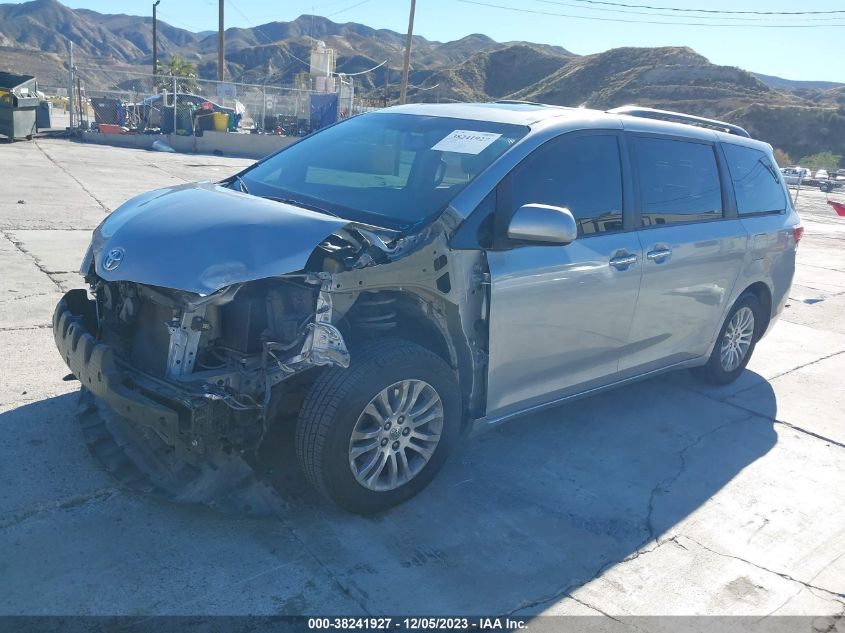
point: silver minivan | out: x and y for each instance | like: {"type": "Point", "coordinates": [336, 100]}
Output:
{"type": "Point", "coordinates": [382, 287]}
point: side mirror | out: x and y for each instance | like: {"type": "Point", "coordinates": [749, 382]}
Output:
{"type": "Point", "coordinates": [543, 223]}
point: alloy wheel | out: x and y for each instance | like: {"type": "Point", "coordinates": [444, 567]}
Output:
{"type": "Point", "coordinates": [737, 339]}
{"type": "Point", "coordinates": [396, 435]}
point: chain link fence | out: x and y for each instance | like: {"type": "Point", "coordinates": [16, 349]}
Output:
{"type": "Point", "coordinates": [124, 101]}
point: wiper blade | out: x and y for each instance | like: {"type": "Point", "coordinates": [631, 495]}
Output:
{"type": "Point", "coordinates": [769, 169]}
{"type": "Point", "coordinates": [304, 205]}
{"type": "Point", "coordinates": [242, 184]}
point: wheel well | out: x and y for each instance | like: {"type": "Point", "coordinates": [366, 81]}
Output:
{"type": "Point", "coordinates": [422, 330]}
{"type": "Point", "coordinates": [764, 296]}
{"type": "Point", "coordinates": [374, 315]}
{"type": "Point", "coordinates": [430, 322]}
{"type": "Point", "coordinates": [402, 315]}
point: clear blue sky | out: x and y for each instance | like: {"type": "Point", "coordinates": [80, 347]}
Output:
{"type": "Point", "coordinates": [794, 53]}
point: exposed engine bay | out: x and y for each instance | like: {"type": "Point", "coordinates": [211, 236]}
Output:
{"type": "Point", "coordinates": [225, 357]}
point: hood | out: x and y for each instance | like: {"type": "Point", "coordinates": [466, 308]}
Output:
{"type": "Point", "coordinates": [202, 237]}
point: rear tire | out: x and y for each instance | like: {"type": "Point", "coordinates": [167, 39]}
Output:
{"type": "Point", "coordinates": [736, 342]}
{"type": "Point", "coordinates": [374, 435]}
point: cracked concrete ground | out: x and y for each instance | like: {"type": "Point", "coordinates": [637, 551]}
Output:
{"type": "Point", "coordinates": [665, 497]}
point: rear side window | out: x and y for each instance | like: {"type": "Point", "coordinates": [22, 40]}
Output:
{"type": "Point", "coordinates": [679, 181]}
{"type": "Point", "coordinates": [756, 180]}
{"type": "Point", "coordinates": [582, 174]}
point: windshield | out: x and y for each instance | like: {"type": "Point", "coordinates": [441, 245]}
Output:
{"type": "Point", "coordinates": [392, 170]}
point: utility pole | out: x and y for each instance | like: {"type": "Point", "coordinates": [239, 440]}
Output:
{"type": "Point", "coordinates": [155, 40]}
{"type": "Point", "coordinates": [406, 68]}
{"type": "Point", "coordinates": [220, 44]}
{"type": "Point", "coordinates": [70, 86]}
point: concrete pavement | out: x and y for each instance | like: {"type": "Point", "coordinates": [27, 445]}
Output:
{"type": "Point", "coordinates": [665, 497]}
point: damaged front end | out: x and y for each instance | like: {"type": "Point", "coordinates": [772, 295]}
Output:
{"type": "Point", "coordinates": [195, 313]}
{"type": "Point", "coordinates": [202, 371]}
{"type": "Point", "coordinates": [192, 359]}
{"type": "Point", "coordinates": [198, 371]}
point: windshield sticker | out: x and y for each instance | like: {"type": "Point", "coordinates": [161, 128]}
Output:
{"type": "Point", "coordinates": [466, 142]}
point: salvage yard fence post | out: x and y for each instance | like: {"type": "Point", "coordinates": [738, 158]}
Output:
{"type": "Point", "coordinates": [264, 106]}
{"type": "Point", "coordinates": [174, 105]}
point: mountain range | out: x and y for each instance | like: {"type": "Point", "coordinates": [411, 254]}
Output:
{"type": "Point", "coordinates": [797, 117]}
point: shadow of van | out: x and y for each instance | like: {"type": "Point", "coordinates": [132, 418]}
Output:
{"type": "Point", "coordinates": [535, 508]}
{"type": "Point", "coordinates": [518, 518]}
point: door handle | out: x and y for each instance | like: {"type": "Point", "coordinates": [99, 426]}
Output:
{"type": "Point", "coordinates": [623, 261]}
{"type": "Point", "coordinates": [658, 255]}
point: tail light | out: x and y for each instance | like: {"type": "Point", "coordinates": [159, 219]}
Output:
{"type": "Point", "coordinates": [797, 233]}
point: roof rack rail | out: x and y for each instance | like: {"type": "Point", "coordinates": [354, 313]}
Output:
{"type": "Point", "coordinates": [678, 117]}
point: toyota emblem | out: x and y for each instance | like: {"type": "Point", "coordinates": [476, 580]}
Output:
{"type": "Point", "coordinates": [113, 258]}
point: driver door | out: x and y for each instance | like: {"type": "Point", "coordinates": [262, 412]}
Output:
{"type": "Point", "coordinates": [560, 315]}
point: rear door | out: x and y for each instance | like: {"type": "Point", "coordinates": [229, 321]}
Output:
{"type": "Point", "coordinates": [694, 247]}
{"type": "Point", "coordinates": [560, 315]}
{"type": "Point", "coordinates": [763, 207]}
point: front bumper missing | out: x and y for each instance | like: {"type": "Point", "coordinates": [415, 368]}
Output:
{"type": "Point", "coordinates": [183, 419]}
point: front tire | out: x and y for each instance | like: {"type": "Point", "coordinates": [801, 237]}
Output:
{"type": "Point", "coordinates": [735, 345]}
{"type": "Point", "coordinates": [374, 435]}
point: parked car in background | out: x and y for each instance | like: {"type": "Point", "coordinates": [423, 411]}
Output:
{"type": "Point", "coordinates": [390, 282]}
{"type": "Point", "coordinates": [795, 175]}
{"type": "Point", "coordinates": [822, 174]}
{"type": "Point", "coordinates": [835, 180]}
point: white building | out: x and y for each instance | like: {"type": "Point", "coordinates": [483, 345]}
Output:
{"type": "Point", "coordinates": [323, 60]}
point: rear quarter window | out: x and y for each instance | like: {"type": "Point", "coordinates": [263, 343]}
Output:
{"type": "Point", "coordinates": [756, 180]}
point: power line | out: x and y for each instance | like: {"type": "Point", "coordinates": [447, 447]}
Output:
{"type": "Point", "coordinates": [291, 55]}
{"type": "Point", "coordinates": [258, 30]}
{"type": "Point", "coordinates": [274, 17]}
{"type": "Point", "coordinates": [170, 22]}
{"type": "Point", "coordinates": [363, 72]}
{"type": "Point", "coordinates": [421, 89]}
{"type": "Point", "coordinates": [301, 61]}
{"type": "Point", "coordinates": [330, 4]}
{"type": "Point", "coordinates": [656, 8]}
{"type": "Point", "coordinates": [666, 15]}
{"type": "Point", "coordinates": [241, 13]}
{"type": "Point", "coordinates": [664, 23]}
{"type": "Point", "coordinates": [357, 4]}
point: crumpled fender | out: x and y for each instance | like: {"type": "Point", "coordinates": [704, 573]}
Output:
{"type": "Point", "coordinates": [202, 237]}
